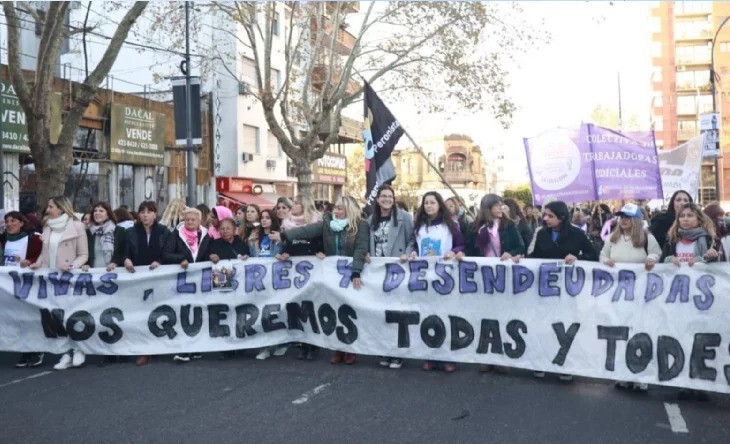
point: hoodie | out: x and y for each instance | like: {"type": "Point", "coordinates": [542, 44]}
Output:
{"type": "Point", "coordinates": [221, 213]}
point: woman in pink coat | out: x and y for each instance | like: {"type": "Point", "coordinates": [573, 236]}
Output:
{"type": "Point", "coordinates": [65, 248]}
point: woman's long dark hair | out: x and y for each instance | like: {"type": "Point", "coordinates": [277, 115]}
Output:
{"type": "Point", "coordinates": [443, 214]}
{"type": "Point", "coordinates": [376, 208]}
{"type": "Point", "coordinates": [258, 233]}
{"type": "Point", "coordinates": [670, 208]}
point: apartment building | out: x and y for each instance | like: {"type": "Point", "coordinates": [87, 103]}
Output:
{"type": "Point", "coordinates": [690, 39]}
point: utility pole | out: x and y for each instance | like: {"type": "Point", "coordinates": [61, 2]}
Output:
{"type": "Point", "coordinates": [714, 107]}
{"type": "Point", "coordinates": [620, 118]}
{"type": "Point", "coordinates": [189, 111]}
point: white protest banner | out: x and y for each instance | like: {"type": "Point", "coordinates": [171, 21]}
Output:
{"type": "Point", "coordinates": [680, 168]}
{"type": "Point", "coordinates": [670, 326]}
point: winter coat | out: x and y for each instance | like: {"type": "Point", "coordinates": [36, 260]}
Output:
{"type": "Point", "coordinates": [572, 240]}
{"type": "Point", "coordinates": [254, 249]}
{"type": "Point", "coordinates": [353, 246]}
{"type": "Point", "coordinates": [73, 247]}
{"type": "Point", "coordinates": [131, 244]}
{"type": "Point", "coordinates": [228, 250]}
{"type": "Point", "coordinates": [659, 227]}
{"type": "Point", "coordinates": [119, 241]}
{"type": "Point", "coordinates": [399, 238]}
{"type": "Point", "coordinates": [176, 249]}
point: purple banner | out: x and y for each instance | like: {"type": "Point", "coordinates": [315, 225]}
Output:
{"type": "Point", "coordinates": [560, 166]}
{"type": "Point", "coordinates": [626, 164]}
{"type": "Point", "coordinates": [593, 163]}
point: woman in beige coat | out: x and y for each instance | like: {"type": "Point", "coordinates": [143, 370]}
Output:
{"type": "Point", "coordinates": [65, 248]}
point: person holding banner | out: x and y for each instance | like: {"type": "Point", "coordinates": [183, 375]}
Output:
{"type": "Point", "coordinates": [303, 212]}
{"type": "Point", "coordinates": [495, 235]}
{"type": "Point", "coordinates": [662, 222]}
{"type": "Point", "coordinates": [436, 234]}
{"type": "Point", "coordinates": [716, 214]}
{"type": "Point", "coordinates": [390, 233]}
{"type": "Point", "coordinates": [631, 243]}
{"type": "Point", "coordinates": [559, 239]}
{"type": "Point", "coordinates": [106, 242]}
{"type": "Point", "coordinates": [65, 248]}
{"type": "Point", "coordinates": [143, 246]}
{"type": "Point", "coordinates": [260, 244]}
{"type": "Point", "coordinates": [189, 242]}
{"type": "Point", "coordinates": [21, 246]}
{"type": "Point", "coordinates": [344, 233]}
{"type": "Point", "coordinates": [691, 238]}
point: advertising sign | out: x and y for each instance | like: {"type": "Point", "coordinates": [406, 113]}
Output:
{"type": "Point", "coordinates": [137, 135]}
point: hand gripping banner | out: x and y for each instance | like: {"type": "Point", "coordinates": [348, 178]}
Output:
{"type": "Point", "coordinates": [670, 326]}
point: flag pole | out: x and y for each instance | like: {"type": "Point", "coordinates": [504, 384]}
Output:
{"type": "Point", "coordinates": [441, 176]}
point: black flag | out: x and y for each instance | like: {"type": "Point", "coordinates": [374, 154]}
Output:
{"type": "Point", "coordinates": [381, 132]}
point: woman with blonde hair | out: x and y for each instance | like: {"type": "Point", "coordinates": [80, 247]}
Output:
{"type": "Point", "coordinates": [301, 212]}
{"type": "Point", "coordinates": [65, 248]}
{"type": "Point", "coordinates": [344, 232]}
{"type": "Point", "coordinates": [631, 243]}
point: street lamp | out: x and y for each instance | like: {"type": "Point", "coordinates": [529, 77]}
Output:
{"type": "Point", "coordinates": [714, 106]}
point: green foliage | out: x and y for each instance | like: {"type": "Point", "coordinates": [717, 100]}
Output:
{"type": "Point", "coordinates": [608, 117]}
{"type": "Point", "coordinates": [522, 193]}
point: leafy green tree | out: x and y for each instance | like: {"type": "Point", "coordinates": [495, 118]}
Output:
{"type": "Point", "coordinates": [522, 193]}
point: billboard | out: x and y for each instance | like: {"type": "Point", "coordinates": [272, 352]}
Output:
{"type": "Point", "coordinates": [137, 135]}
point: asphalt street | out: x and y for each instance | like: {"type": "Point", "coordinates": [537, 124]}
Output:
{"type": "Point", "coordinates": [286, 400]}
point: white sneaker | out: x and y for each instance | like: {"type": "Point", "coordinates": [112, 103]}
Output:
{"type": "Point", "coordinates": [280, 351]}
{"type": "Point", "coordinates": [64, 363]}
{"type": "Point", "coordinates": [566, 378]}
{"type": "Point", "coordinates": [385, 362]}
{"type": "Point", "coordinates": [641, 386]}
{"type": "Point", "coordinates": [396, 363]}
{"type": "Point", "coordinates": [538, 374]}
{"type": "Point", "coordinates": [263, 354]}
{"type": "Point", "coordinates": [79, 358]}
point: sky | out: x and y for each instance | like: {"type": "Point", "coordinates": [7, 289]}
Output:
{"type": "Point", "coordinates": [557, 83]}
{"type": "Point", "coordinates": [560, 82]}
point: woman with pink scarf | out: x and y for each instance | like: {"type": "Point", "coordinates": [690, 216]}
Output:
{"type": "Point", "coordinates": [189, 242]}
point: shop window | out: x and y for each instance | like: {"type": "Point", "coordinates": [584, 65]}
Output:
{"type": "Point", "coordinates": [126, 185]}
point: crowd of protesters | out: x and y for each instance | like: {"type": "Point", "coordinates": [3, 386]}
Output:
{"type": "Point", "coordinates": [499, 228]}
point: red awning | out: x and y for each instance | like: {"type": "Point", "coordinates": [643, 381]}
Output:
{"type": "Point", "coordinates": [248, 198]}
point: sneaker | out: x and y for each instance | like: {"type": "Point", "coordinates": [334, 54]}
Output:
{"type": "Point", "coordinates": [35, 360]}
{"type": "Point", "coordinates": [79, 358]}
{"type": "Point", "coordinates": [641, 387]}
{"type": "Point", "coordinates": [396, 363]}
{"type": "Point", "coordinates": [428, 366]}
{"type": "Point", "coordinates": [64, 363]}
{"type": "Point", "coordinates": [280, 351]}
{"type": "Point", "coordinates": [182, 358]}
{"type": "Point", "coordinates": [484, 368]}
{"type": "Point", "coordinates": [23, 361]}
{"type": "Point", "coordinates": [565, 377]}
{"type": "Point", "coordinates": [263, 354]}
{"type": "Point", "coordinates": [621, 385]}
{"type": "Point", "coordinates": [385, 361]}
{"type": "Point", "coordinates": [538, 374]}
{"type": "Point", "coordinates": [450, 368]}
{"type": "Point", "coordinates": [196, 356]}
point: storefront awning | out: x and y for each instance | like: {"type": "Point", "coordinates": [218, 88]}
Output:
{"type": "Point", "coordinates": [248, 198]}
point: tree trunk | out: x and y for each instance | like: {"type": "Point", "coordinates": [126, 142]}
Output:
{"type": "Point", "coordinates": [304, 176]}
{"type": "Point", "coordinates": [50, 182]}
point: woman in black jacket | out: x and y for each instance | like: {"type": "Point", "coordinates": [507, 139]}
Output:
{"type": "Point", "coordinates": [189, 242]}
{"type": "Point", "coordinates": [561, 240]}
{"type": "Point", "coordinates": [143, 245]}
{"type": "Point", "coordinates": [662, 222]}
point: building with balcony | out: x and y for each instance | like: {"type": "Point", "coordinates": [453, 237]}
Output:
{"type": "Point", "coordinates": [457, 158]}
{"type": "Point", "coordinates": [682, 38]}
{"type": "Point", "coordinates": [248, 159]}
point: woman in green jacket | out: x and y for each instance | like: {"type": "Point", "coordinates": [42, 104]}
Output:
{"type": "Point", "coordinates": [344, 232]}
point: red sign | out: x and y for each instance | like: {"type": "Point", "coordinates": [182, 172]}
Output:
{"type": "Point", "coordinates": [233, 185]}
